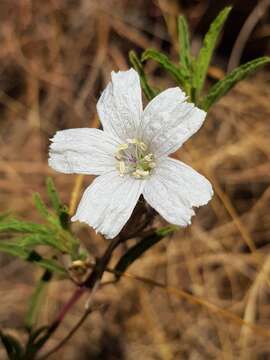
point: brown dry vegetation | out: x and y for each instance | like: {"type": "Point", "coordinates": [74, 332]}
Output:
{"type": "Point", "coordinates": [56, 56]}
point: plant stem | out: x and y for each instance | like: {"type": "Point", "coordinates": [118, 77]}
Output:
{"type": "Point", "coordinates": [91, 284]}
{"type": "Point", "coordinates": [74, 298]}
{"type": "Point", "coordinates": [68, 336]}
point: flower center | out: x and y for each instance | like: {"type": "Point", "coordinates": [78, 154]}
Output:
{"type": "Point", "coordinates": [134, 159]}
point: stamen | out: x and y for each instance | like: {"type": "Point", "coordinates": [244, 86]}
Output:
{"type": "Point", "coordinates": [142, 146]}
{"type": "Point", "coordinates": [133, 159]}
{"type": "Point", "coordinates": [122, 147]}
{"type": "Point", "coordinates": [122, 168]}
{"type": "Point", "coordinates": [149, 157]}
{"type": "Point", "coordinates": [140, 173]}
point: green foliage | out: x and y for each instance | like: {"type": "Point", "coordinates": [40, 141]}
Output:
{"type": "Point", "coordinates": [191, 72]}
{"type": "Point", "coordinates": [178, 74]}
{"type": "Point", "coordinates": [184, 44]}
{"type": "Point", "coordinates": [16, 226]}
{"type": "Point", "coordinates": [32, 256]}
{"type": "Point", "coordinates": [60, 209]}
{"type": "Point", "coordinates": [136, 63]}
{"type": "Point", "coordinates": [23, 237]}
{"type": "Point", "coordinates": [206, 52]}
{"type": "Point", "coordinates": [223, 86]}
{"type": "Point", "coordinates": [53, 195]}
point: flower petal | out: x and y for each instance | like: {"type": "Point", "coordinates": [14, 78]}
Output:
{"type": "Point", "coordinates": [174, 189]}
{"type": "Point", "coordinates": [108, 202]}
{"type": "Point", "coordinates": [82, 151]}
{"type": "Point", "coordinates": [120, 105]}
{"type": "Point", "coordinates": [168, 121]}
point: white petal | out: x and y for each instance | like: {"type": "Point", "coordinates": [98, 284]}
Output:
{"type": "Point", "coordinates": [174, 189]}
{"type": "Point", "coordinates": [120, 105]}
{"type": "Point", "coordinates": [108, 202]}
{"type": "Point", "coordinates": [168, 121]}
{"type": "Point", "coordinates": [82, 151]}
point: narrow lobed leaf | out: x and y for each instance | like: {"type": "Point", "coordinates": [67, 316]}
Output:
{"type": "Point", "coordinates": [149, 92]}
{"type": "Point", "coordinates": [31, 256]}
{"type": "Point", "coordinates": [4, 216]}
{"type": "Point", "coordinates": [14, 225]}
{"type": "Point", "coordinates": [50, 239]}
{"type": "Point", "coordinates": [178, 74]}
{"type": "Point", "coordinates": [206, 52]}
{"type": "Point", "coordinates": [41, 207]}
{"type": "Point", "coordinates": [53, 195]}
{"type": "Point", "coordinates": [223, 86]}
{"type": "Point", "coordinates": [184, 43]}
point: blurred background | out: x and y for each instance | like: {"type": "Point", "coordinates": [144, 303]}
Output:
{"type": "Point", "coordinates": [55, 58]}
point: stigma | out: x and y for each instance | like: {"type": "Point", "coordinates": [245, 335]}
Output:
{"type": "Point", "coordinates": [133, 159]}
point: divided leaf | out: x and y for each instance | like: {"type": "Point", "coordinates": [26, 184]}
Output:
{"type": "Point", "coordinates": [32, 256]}
{"type": "Point", "coordinates": [206, 52]}
{"type": "Point", "coordinates": [184, 43]}
{"type": "Point", "coordinates": [53, 195]}
{"type": "Point", "coordinates": [14, 225]}
{"type": "Point", "coordinates": [41, 207]}
{"type": "Point", "coordinates": [178, 74]}
{"type": "Point", "coordinates": [147, 89]}
{"type": "Point", "coordinates": [223, 86]}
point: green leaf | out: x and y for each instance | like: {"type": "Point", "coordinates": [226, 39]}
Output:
{"type": "Point", "coordinates": [206, 52]}
{"type": "Point", "coordinates": [223, 86]}
{"type": "Point", "coordinates": [178, 74]}
{"type": "Point", "coordinates": [4, 215]}
{"type": "Point", "coordinates": [137, 250]}
{"type": "Point", "coordinates": [31, 256]}
{"type": "Point", "coordinates": [184, 44]}
{"type": "Point", "coordinates": [53, 195]}
{"type": "Point", "coordinates": [14, 225]}
{"type": "Point", "coordinates": [33, 240]}
{"type": "Point", "coordinates": [60, 209]}
{"type": "Point", "coordinates": [36, 300]}
{"type": "Point", "coordinates": [48, 264]}
{"type": "Point", "coordinates": [149, 92]}
{"type": "Point", "coordinates": [12, 345]}
{"type": "Point", "coordinates": [41, 207]}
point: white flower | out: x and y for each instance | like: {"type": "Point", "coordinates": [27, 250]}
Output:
{"type": "Point", "coordinates": [131, 156]}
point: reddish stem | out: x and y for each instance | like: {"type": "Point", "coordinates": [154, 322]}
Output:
{"type": "Point", "coordinates": [74, 298]}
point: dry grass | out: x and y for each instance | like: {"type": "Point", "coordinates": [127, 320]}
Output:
{"type": "Point", "coordinates": [56, 56]}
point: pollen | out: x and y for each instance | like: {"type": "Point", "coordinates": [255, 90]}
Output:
{"type": "Point", "coordinates": [133, 159]}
